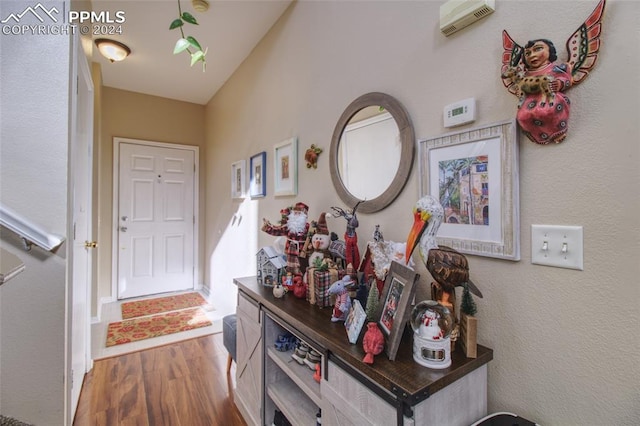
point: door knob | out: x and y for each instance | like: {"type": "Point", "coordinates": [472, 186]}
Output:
{"type": "Point", "coordinates": [123, 228]}
{"type": "Point", "coordinates": [91, 244]}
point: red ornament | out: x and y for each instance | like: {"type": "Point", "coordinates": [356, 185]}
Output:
{"type": "Point", "coordinates": [372, 343]}
{"type": "Point", "coordinates": [299, 288]}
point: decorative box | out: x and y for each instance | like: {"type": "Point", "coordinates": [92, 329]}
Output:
{"type": "Point", "coordinates": [318, 282]}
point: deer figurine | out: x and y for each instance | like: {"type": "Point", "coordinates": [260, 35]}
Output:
{"type": "Point", "coordinates": [352, 254]}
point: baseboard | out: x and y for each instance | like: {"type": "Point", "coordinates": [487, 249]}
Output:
{"type": "Point", "coordinates": [205, 291]}
{"type": "Point", "coordinates": [103, 301]}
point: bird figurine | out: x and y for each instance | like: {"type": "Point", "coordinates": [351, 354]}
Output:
{"type": "Point", "coordinates": [372, 342]}
{"type": "Point", "coordinates": [447, 266]}
{"type": "Point", "coordinates": [278, 290]}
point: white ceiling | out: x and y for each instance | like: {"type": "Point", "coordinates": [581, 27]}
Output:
{"type": "Point", "coordinates": [230, 30]}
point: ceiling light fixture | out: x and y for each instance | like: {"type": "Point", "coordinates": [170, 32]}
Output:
{"type": "Point", "coordinates": [112, 50]}
{"type": "Point", "coordinates": [200, 5]}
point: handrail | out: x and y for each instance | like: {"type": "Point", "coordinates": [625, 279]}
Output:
{"type": "Point", "coordinates": [29, 231]}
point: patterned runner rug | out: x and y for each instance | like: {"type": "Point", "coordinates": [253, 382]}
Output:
{"type": "Point", "coordinates": [132, 330]}
{"type": "Point", "coordinates": [142, 308]}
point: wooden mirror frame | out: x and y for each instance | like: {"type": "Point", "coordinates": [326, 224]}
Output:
{"type": "Point", "coordinates": [407, 140]}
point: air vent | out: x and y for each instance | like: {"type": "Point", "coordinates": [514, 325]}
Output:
{"type": "Point", "coordinates": [483, 12]}
{"type": "Point", "coordinates": [457, 14]}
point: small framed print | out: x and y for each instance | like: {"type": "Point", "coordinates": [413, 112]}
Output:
{"type": "Point", "coordinates": [286, 167]}
{"type": "Point", "coordinates": [258, 175]}
{"type": "Point", "coordinates": [354, 322]}
{"type": "Point", "coordinates": [238, 179]}
{"type": "Point", "coordinates": [395, 300]}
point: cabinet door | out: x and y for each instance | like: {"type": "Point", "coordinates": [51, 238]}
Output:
{"type": "Point", "coordinates": [346, 401]}
{"type": "Point", "coordinates": [249, 362]}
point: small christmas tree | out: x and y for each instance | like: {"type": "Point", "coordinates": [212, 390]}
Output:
{"type": "Point", "coordinates": [468, 305]}
{"type": "Point", "coordinates": [372, 301]}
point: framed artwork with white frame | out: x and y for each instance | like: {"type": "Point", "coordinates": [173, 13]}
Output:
{"type": "Point", "coordinates": [238, 179]}
{"type": "Point", "coordinates": [285, 167]}
{"type": "Point", "coordinates": [258, 175]}
{"type": "Point", "coordinates": [474, 175]}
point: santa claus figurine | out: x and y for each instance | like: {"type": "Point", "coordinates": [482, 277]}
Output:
{"type": "Point", "coordinates": [295, 227]}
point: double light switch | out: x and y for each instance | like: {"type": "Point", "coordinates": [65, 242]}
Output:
{"type": "Point", "coordinates": [559, 246]}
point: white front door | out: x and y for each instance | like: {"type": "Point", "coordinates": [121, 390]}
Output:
{"type": "Point", "coordinates": [155, 219]}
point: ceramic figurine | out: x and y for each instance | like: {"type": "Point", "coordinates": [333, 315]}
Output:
{"type": "Point", "coordinates": [299, 288]}
{"type": "Point", "coordinates": [352, 254]}
{"type": "Point", "coordinates": [311, 156]}
{"type": "Point", "coordinates": [533, 75]}
{"type": "Point", "coordinates": [294, 226]}
{"type": "Point", "coordinates": [343, 301]}
{"type": "Point", "coordinates": [372, 342]}
{"type": "Point", "coordinates": [278, 290]}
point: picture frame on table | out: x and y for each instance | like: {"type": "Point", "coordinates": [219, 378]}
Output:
{"type": "Point", "coordinates": [355, 321]}
{"type": "Point", "coordinates": [285, 171]}
{"type": "Point", "coordinates": [475, 176]}
{"type": "Point", "coordinates": [258, 175]}
{"type": "Point", "coordinates": [395, 300]}
{"type": "Point", "coordinates": [238, 179]}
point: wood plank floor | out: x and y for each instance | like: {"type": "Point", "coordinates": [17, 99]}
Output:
{"type": "Point", "coordinates": [180, 384]}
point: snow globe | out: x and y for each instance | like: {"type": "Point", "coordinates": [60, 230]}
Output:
{"type": "Point", "coordinates": [432, 324]}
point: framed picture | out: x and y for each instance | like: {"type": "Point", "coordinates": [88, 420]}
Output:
{"type": "Point", "coordinates": [285, 170]}
{"type": "Point", "coordinates": [392, 312]}
{"type": "Point", "coordinates": [355, 320]}
{"type": "Point", "coordinates": [474, 174]}
{"type": "Point", "coordinates": [238, 179]}
{"type": "Point", "coordinates": [258, 175]}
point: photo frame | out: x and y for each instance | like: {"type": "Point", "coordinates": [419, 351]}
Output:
{"type": "Point", "coordinates": [258, 175]}
{"type": "Point", "coordinates": [393, 310]}
{"type": "Point", "coordinates": [474, 175]}
{"type": "Point", "coordinates": [285, 167]}
{"type": "Point", "coordinates": [238, 179]}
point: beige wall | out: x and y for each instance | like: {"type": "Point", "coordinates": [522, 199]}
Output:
{"type": "Point", "coordinates": [137, 116]}
{"type": "Point", "coordinates": [565, 342]}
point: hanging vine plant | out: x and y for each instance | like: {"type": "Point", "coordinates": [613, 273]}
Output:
{"type": "Point", "coordinates": [188, 43]}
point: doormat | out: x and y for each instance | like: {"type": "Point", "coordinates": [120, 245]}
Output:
{"type": "Point", "coordinates": [142, 308]}
{"type": "Point", "coordinates": [132, 330]}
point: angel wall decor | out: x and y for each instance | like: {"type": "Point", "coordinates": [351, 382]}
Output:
{"type": "Point", "coordinates": [533, 75]}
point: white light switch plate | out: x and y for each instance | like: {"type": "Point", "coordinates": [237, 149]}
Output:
{"type": "Point", "coordinates": [548, 241]}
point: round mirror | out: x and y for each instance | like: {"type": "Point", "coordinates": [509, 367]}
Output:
{"type": "Point", "coordinates": [371, 152]}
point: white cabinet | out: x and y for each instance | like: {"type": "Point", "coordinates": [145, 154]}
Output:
{"type": "Point", "coordinates": [249, 357]}
{"type": "Point", "coordinates": [350, 392]}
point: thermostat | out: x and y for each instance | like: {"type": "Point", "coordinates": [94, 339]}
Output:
{"type": "Point", "coordinates": [459, 113]}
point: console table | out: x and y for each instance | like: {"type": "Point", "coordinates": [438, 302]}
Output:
{"type": "Point", "coordinates": [351, 392]}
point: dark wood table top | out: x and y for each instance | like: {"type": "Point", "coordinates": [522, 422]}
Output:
{"type": "Point", "coordinates": [402, 377]}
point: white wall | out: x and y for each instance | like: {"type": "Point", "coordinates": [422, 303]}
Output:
{"type": "Point", "coordinates": [565, 342]}
{"type": "Point", "coordinates": [34, 109]}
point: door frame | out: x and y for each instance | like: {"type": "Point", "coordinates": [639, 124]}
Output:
{"type": "Point", "coordinates": [116, 200]}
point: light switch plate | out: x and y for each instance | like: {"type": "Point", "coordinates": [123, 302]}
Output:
{"type": "Point", "coordinates": [548, 242]}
